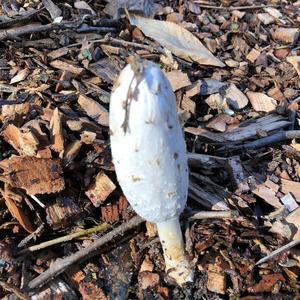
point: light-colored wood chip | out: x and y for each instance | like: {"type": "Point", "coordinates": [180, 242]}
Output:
{"type": "Point", "coordinates": [22, 75]}
{"type": "Point", "coordinates": [23, 140]}
{"type": "Point", "coordinates": [253, 55]}
{"type": "Point", "coordinates": [295, 61]}
{"type": "Point", "coordinates": [94, 110]}
{"type": "Point", "coordinates": [262, 102]}
{"type": "Point", "coordinates": [57, 132]}
{"type": "Point", "coordinates": [178, 79]}
{"type": "Point", "coordinates": [66, 66]}
{"type": "Point", "coordinates": [267, 195]}
{"type": "Point", "coordinates": [100, 189]}
{"type": "Point", "coordinates": [216, 282]}
{"type": "Point", "coordinates": [293, 187]}
{"type": "Point", "coordinates": [286, 35]}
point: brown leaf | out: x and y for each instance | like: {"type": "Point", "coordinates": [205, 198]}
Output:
{"type": "Point", "coordinates": [17, 211]}
{"type": "Point", "coordinates": [177, 39]}
{"type": "Point", "coordinates": [101, 189]}
{"type": "Point", "coordinates": [35, 175]}
{"type": "Point", "coordinates": [23, 140]}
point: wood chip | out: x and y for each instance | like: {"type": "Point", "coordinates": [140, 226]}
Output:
{"type": "Point", "coordinates": [219, 123]}
{"type": "Point", "coordinates": [295, 61]}
{"type": "Point", "coordinates": [66, 66]}
{"type": "Point", "coordinates": [35, 175]}
{"type": "Point", "coordinates": [94, 110]}
{"type": "Point", "coordinates": [204, 87]}
{"type": "Point", "coordinates": [148, 280]}
{"type": "Point", "coordinates": [266, 18]}
{"type": "Point", "coordinates": [293, 187]}
{"type": "Point", "coordinates": [101, 189]}
{"type": "Point", "coordinates": [262, 102]}
{"type": "Point", "coordinates": [23, 140]}
{"type": "Point", "coordinates": [268, 195]}
{"type": "Point", "coordinates": [58, 53]}
{"type": "Point", "coordinates": [17, 211]}
{"type": "Point", "coordinates": [216, 282]}
{"type": "Point", "coordinates": [57, 137]}
{"type": "Point", "coordinates": [286, 35]}
{"type": "Point", "coordinates": [178, 79]}
{"type": "Point", "coordinates": [253, 55]}
{"type": "Point", "coordinates": [22, 75]}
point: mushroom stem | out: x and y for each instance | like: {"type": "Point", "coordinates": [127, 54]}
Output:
{"type": "Point", "coordinates": [177, 264]}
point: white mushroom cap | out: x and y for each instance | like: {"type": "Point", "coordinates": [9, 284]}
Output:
{"type": "Point", "coordinates": [148, 149]}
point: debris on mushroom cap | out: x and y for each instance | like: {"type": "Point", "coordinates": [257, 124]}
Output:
{"type": "Point", "coordinates": [147, 142]}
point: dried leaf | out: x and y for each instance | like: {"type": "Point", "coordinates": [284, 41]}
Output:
{"type": "Point", "coordinates": [262, 102]}
{"type": "Point", "coordinates": [23, 140]}
{"type": "Point", "coordinates": [177, 39]}
{"type": "Point", "coordinates": [35, 175]}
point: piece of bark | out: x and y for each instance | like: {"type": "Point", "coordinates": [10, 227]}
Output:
{"type": "Point", "coordinates": [146, 265]}
{"type": "Point", "coordinates": [188, 105]}
{"type": "Point", "coordinates": [267, 283]}
{"type": "Point", "coordinates": [230, 96]}
{"type": "Point", "coordinates": [216, 282]}
{"type": "Point", "coordinates": [268, 195]}
{"type": "Point", "coordinates": [262, 102]}
{"type": "Point", "coordinates": [178, 79]}
{"type": "Point", "coordinates": [22, 75]}
{"type": "Point", "coordinates": [57, 137]}
{"type": "Point", "coordinates": [16, 210]}
{"type": "Point", "coordinates": [62, 212]}
{"type": "Point", "coordinates": [204, 87]}
{"type": "Point", "coordinates": [253, 55]}
{"type": "Point", "coordinates": [266, 18]}
{"type": "Point", "coordinates": [110, 213]}
{"type": "Point", "coordinates": [58, 53]}
{"type": "Point", "coordinates": [151, 229]}
{"type": "Point", "coordinates": [276, 94]}
{"type": "Point", "coordinates": [295, 61]}
{"type": "Point", "coordinates": [90, 290]}
{"type": "Point", "coordinates": [53, 9]}
{"type": "Point", "coordinates": [286, 35]}
{"type": "Point", "coordinates": [244, 131]}
{"type": "Point", "coordinates": [35, 175]}
{"type": "Point", "coordinates": [23, 140]}
{"type": "Point", "coordinates": [293, 187]}
{"type": "Point", "coordinates": [72, 150]}
{"type": "Point", "coordinates": [100, 189]}
{"type": "Point", "coordinates": [12, 111]}
{"type": "Point", "coordinates": [66, 66]}
{"type": "Point", "coordinates": [148, 280]}
{"type": "Point", "coordinates": [219, 123]}
{"type": "Point", "coordinates": [94, 110]}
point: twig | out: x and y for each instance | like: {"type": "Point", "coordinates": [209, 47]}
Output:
{"type": "Point", "coordinates": [100, 228]}
{"type": "Point", "coordinates": [275, 138]}
{"type": "Point", "coordinates": [235, 7]}
{"type": "Point", "coordinates": [61, 265]}
{"type": "Point", "coordinates": [279, 251]}
{"type": "Point", "coordinates": [12, 289]}
{"type": "Point", "coordinates": [203, 215]}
